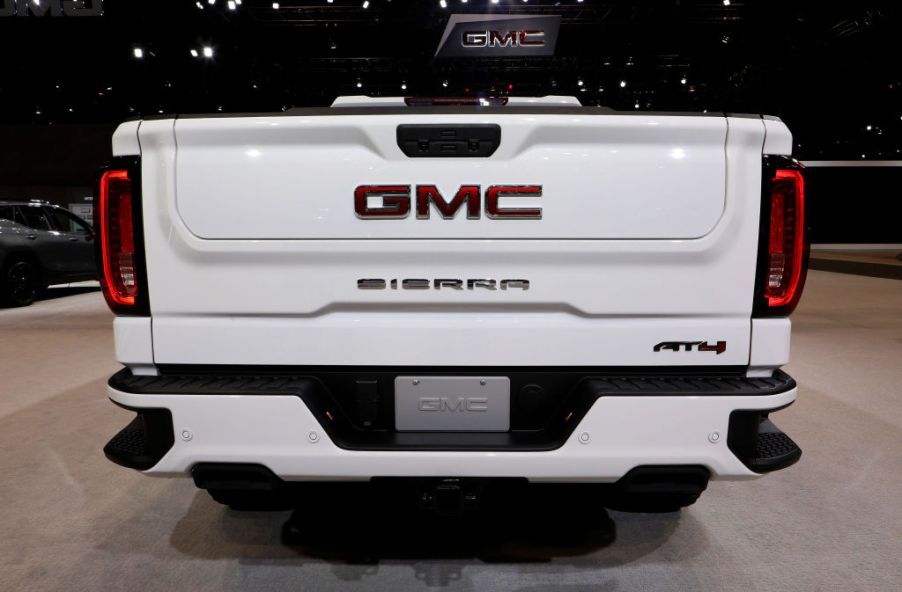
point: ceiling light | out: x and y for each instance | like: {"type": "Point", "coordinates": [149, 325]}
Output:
{"type": "Point", "coordinates": [275, 6]}
{"type": "Point", "coordinates": [231, 4]}
{"type": "Point", "coordinates": [208, 51]}
{"type": "Point", "coordinates": [366, 3]}
{"type": "Point", "coordinates": [445, 83]}
{"type": "Point", "coordinates": [443, 3]}
{"type": "Point", "coordinates": [211, 2]}
{"type": "Point", "coordinates": [579, 83]}
{"type": "Point", "coordinates": [139, 53]}
{"type": "Point", "coordinates": [869, 128]}
{"type": "Point", "coordinates": [623, 84]}
{"type": "Point", "coordinates": [359, 84]}
{"type": "Point", "coordinates": [726, 2]}
{"type": "Point", "coordinates": [194, 53]}
{"type": "Point", "coordinates": [199, 5]}
{"type": "Point", "coordinates": [683, 80]}
{"type": "Point", "coordinates": [403, 86]}
{"type": "Point", "coordinates": [636, 105]}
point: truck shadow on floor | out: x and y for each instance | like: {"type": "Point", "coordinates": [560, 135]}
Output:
{"type": "Point", "coordinates": [355, 528]}
{"type": "Point", "coordinates": [527, 523]}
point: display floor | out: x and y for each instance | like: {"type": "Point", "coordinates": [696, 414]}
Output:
{"type": "Point", "coordinates": [71, 520]}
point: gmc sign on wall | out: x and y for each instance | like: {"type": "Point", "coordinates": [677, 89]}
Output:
{"type": "Point", "coordinates": [494, 38]}
{"type": "Point", "coordinates": [488, 35]}
{"type": "Point", "coordinates": [73, 8]}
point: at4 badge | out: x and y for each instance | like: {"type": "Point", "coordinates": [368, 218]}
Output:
{"type": "Point", "coordinates": [702, 346]}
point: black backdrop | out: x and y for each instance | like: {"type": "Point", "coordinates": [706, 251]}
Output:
{"type": "Point", "coordinates": [830, 70]}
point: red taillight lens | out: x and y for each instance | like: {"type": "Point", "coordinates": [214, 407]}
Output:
{"type": "Point", "coordinates": [786, 244]}
{"type": "Point", "coordinates": [117, 239]}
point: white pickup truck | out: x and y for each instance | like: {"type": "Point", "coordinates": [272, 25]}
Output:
{"type": "Point", "coordinates": [452, 293]}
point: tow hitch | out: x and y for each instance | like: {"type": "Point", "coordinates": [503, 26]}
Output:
{"type": "Point", "coordinates": [450, 497]}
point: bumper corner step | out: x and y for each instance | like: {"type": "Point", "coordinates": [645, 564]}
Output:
{"type": "Point", "coordinates": [759, 443]}
{"type": "Point", "coordinates": [143, 442]}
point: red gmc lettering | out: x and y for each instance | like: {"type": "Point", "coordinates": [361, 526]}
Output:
{"type": "Point", "coordinates": [396, 202]}
{"type": "Point", "coordinates": [496, 212]}
{"type": "Point", "coordinates": [466, 193]}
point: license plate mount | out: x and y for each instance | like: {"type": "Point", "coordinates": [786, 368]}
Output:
{"type": "Point", "coordinates": [452, 403]}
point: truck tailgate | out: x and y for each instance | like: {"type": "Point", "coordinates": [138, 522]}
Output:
{"type": "Point", "coordinates": [602, 177]}
{"type": "Point", "coordinates": [648, 234]}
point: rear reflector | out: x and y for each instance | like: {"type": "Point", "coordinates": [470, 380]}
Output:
{"type": "Point", "coordinates": [116, 224]}
{"type": "Point", "coordinates": [785, 259]}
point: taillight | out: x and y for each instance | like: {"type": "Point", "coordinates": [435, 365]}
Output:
{"type": "Point", "coordinates": [118, 257]}
{"type": "Point", "coordinates": [784, 248]}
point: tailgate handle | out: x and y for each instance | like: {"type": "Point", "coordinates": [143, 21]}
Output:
{"type": "Point", "coordinates": [449, 141]}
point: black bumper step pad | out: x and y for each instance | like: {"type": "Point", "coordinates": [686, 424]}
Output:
{"type": "Point", "coordinates": [774, 445]}
{"type": "Point", "coordinates": [250, 382]}
{"type": "Point", "coordinates": [143, 442]}
{"type": "Point", "coordinates": [691, 385]}
{"type": "Point", "coordinates": [759, 443]}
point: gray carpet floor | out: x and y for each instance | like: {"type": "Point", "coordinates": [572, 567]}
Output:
{"type": "Point", "coordinates": [70, 520]}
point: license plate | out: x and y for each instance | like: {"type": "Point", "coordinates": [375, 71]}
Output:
{"type": "Point", "coordinates": [452, 403]}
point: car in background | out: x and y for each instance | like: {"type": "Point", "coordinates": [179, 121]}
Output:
{"type": "Point", "coordinates": [40, 245]}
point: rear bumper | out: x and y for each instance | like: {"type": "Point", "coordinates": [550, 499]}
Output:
{"type": "Point", "coordinates": [619, 429]}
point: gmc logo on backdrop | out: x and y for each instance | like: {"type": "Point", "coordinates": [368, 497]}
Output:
{"type": "Point", "coordinates": [524, 38]}
{"type": "Point", "coordinates": [53, 7]}
{"type": "Point", "coordinates": [396, 202]}
{"type": "Point", "coordinates": [499, 35]}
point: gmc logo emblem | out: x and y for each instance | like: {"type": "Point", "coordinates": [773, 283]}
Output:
{"type": "Point", "coordinates": [522, 38]}
{"type": "Point", "coordinates": [455, 405]}
{"type": "Point", "coordinates": [396, 202]}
